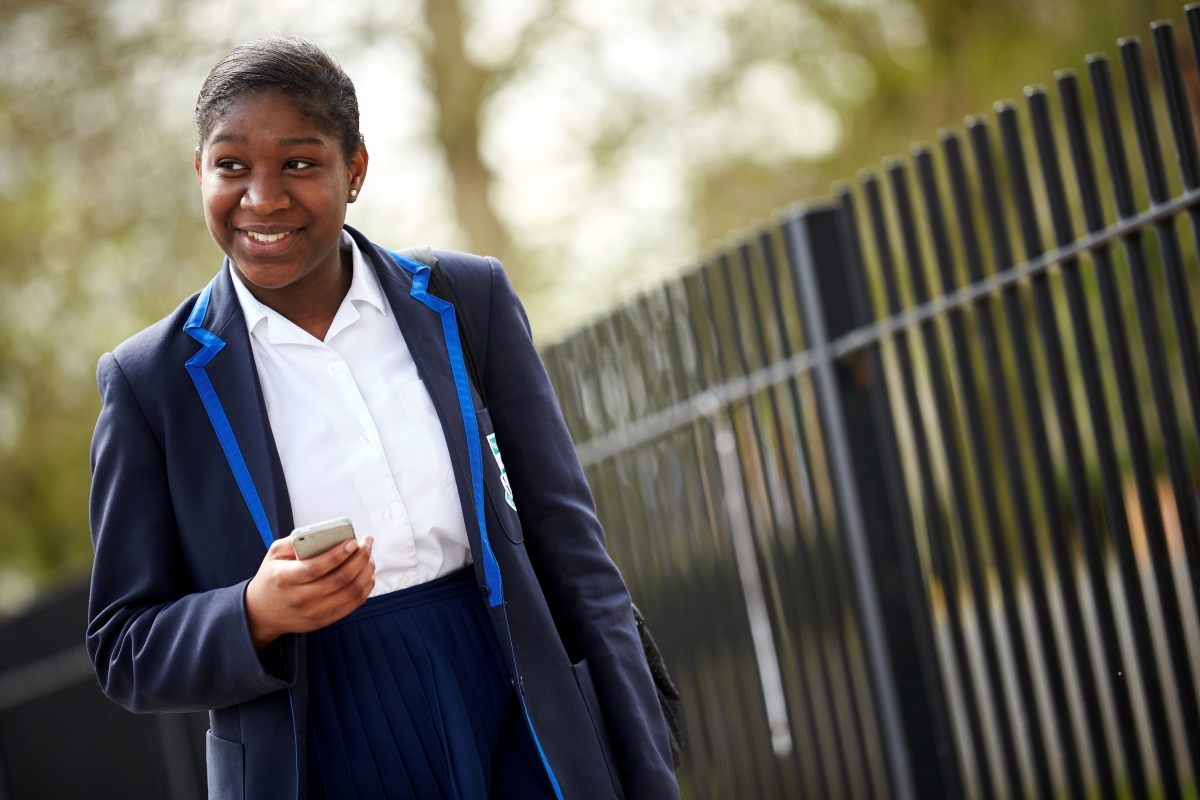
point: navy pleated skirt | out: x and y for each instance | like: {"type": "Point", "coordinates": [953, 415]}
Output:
{"type": "Point", "coordinates": [410, 697]}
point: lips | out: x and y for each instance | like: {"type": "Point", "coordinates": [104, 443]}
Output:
{"type": "Point", "coordinates": [267, 242]}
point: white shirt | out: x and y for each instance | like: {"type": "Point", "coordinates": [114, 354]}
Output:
{"type": "Point", "coordinates": [357, 432]}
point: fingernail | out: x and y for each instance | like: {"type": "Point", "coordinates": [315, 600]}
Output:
{"type": "Point", "coordinates": [350, 546]}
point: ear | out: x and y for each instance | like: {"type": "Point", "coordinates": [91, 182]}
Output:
{"type": "Point", "coordinates": [357, 170]}
{"type": "Point", "coordinates": [196, 164]}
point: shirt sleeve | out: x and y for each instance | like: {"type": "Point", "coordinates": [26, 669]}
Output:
{"type": "Point", "coordinates": [156, 645]}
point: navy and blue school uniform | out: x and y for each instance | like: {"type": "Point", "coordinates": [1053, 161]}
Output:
{"type": "Point", "coordinates": [521, 675]}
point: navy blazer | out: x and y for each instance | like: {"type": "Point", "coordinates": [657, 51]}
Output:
{"type": "Point", "coordinates": [176, 542]}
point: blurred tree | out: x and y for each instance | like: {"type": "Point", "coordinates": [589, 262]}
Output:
{"type": "Point", "coordinates": [460, 88]}
{"type": "Point", "coordinates": [896, 72]}
{"type": "Point", "coordinates": [592, 145]}
{"type": "Point", "coordinates": [462, 84]}
{"type": "Point", "coordinates": [99, 234]}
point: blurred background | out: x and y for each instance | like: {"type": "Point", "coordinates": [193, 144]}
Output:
{"type": "Point", "coordinates": [596, 147]}
{"type": "Point", "coordinates": [860, 560]}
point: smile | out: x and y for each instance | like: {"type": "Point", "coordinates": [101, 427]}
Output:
{"type": "Point", "coordinates": [268, 237]}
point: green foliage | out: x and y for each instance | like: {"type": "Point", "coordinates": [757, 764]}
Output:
{"type": "Point", "coordinates": [100, 234]}
{"type": "Point", "coordinates": [902, 78]}
{"type": "Point", "coordinates": [101, 230]}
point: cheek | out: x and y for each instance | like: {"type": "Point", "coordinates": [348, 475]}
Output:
{"type": "Point", "coordinates": [218, 197]}
{"type": "Point", "coordinates": [320, 199]}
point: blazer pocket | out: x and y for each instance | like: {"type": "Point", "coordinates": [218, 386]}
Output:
{"type": "Point", "coordinates": [226, 768]}
{"type": "Point", "coordinates": [512, 528]}
{"type": "Point", "coordinates": [583, 677]}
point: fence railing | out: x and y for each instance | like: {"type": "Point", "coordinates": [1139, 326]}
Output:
{"type": "Point", "coordinates": [912, 519]}
{"type": "Point", "coordinates": [62, 739]}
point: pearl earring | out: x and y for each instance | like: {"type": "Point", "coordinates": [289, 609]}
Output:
{"type": "Point", "coordinates": [354, 192]}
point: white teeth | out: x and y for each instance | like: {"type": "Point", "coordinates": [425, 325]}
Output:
{"type": "Point", "coordinates": [267, 237]}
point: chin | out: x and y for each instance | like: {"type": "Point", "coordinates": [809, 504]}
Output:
{"type": "Point", "coordinates": [269, 277]}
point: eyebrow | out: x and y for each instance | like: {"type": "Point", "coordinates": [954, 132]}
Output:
{"type": "Point", "coordinates": [237, 138]}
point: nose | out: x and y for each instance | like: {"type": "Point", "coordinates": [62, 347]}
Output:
{"type": "Point", "coordinates": [265, 194]}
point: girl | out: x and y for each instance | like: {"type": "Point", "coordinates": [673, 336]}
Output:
{"type": "Point", "coordinates": [475, 641]}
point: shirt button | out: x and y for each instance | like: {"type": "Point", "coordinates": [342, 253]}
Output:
{"type": "Point", "coordinates": [364, 437]}
{"type": "Point", "coordinates": [390, 513]}
{"type": "Point", "coordinates": [333, 369]}
{"type": "Point", "coordinates": [406, 581]}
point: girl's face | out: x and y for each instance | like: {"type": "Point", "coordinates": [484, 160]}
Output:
{"type": "Point", "coordinates": [275, 189]}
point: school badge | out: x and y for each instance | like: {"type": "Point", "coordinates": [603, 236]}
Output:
{"type": "Point", "coordinates": [508, 496]}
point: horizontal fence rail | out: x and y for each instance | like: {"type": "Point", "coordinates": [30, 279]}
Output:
{"type": "Point", "coordinates": [640, 431]}
{"type": "Point", "coordinates": [905, 481]}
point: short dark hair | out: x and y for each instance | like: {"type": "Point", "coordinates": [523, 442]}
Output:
{"type": "Point", "coordinates": [299, 69]}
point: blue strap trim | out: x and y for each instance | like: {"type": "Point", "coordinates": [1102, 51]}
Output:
{"type": "Point", "coordinates": [491, 569]}
{"type": "Point", "coordinates": [536, 742]}
{"type": "Point", "coordinates": [212, 344]}
{"type": "Point", "coordinates": [466, 405]}
{"type": "Point", "coordinates": [295, 741]}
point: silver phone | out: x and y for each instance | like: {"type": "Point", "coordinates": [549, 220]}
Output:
{"type": "Point", "coordinates": [313, 540]}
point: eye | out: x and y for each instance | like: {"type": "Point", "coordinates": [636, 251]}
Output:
{"type": "Point", "coordinates": [298, 164]}
{"type": "Point", "coordinates": [230, 164]}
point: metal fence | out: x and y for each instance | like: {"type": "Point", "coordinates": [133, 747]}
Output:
{"type": "Point", "coordinates": [62, 739]}
{"type": "Point", "coordinates": [908, 518]}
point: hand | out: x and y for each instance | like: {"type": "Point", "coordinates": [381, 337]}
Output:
{"type": "Point", "coordinates": [292, 596]}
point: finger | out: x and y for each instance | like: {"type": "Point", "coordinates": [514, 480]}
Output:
{"type": "Point", "coordinates": [306, 591]}
{"type": "Point", "coordinates": [341, 602]}
{"type": "Point", "coordinates": [349, 585]}
{"type": "Point", "coordinates": [318, 566]}
{"type": "Point", "coordinates": [315, 599]}
{"type": "Point", "coordinates": [302, 582]}
{"type": "Point", "coordinates": [352, 604]}
{"type": "Point", "coordinates": [345, 572]}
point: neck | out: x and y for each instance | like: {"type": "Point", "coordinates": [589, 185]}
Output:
{"type": "Point", "coordinates": [311, 302]}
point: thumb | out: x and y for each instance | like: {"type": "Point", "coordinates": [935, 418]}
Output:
{"type": "Point", "coordinates": [282, 549]}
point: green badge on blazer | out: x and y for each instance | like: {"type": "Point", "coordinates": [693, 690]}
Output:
{"type": "Point", "coordinates": [508, 498]}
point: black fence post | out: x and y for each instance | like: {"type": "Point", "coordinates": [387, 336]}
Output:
{"type": "Point", "coordinates": [894, 620]}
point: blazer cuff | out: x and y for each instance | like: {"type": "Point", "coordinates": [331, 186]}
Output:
{"type": "Point", "coordinates": [274, 667]}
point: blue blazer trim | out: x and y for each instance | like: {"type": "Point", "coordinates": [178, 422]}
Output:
{"type": "Point", "coordinates": [458, 367]}
{"type": "Point", "coordinates": [195, 365]}
{"type": "Point", "coordinates": [212, 344]}
{"type": "Point", "coordinates": [167, 630]}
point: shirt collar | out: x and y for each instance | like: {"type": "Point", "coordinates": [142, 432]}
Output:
{"type": "Point", "coordinates": [364, 287]}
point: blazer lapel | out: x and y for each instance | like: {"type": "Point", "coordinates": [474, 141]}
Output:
{"type": "Point", "coordinates": [234, 380]}
{"type": "Point", "coordinates": [422, 330]}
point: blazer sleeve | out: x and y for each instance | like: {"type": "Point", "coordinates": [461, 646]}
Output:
{"type": "Point", "coordinates": [565, 543]}
{"type": "Point", "coordinates": [156, 645]}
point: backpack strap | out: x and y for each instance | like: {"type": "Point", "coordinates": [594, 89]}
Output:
{"type": "Point", "coordinates": [440, 286]}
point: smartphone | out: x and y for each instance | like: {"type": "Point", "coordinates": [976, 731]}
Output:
{"type": "Point", "coordinates": [313, 540]}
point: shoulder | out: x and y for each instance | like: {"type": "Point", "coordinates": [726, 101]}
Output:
{"type": "Point", "coordinates": [145, 356]}
{"type": "Point", "coordinates": [468, 268]}
{"type": "Point", "coordinates": [480, 285]}
{"type": "Point", "coordinates": [467, 272]}
{"type": "Point", "coordinates": [483, 276]}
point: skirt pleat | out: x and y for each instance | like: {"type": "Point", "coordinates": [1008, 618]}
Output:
{"type": "Point", "coordinates": [422, 755]}
{"type": "Point", "coordinates": [410, 699]}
